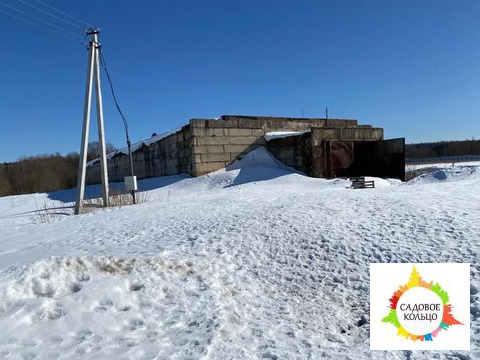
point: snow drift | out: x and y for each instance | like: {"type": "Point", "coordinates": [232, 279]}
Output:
{"type": "Point", "coordinates": [447, 174]}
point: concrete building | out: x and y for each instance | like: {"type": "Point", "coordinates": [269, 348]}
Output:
{"type": "Point", "coordinates": [319, 147]}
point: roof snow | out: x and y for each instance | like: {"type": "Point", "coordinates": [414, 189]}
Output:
{"type": "Point", "coordinates": [138, 145]}
{"type": "Point", "coordinates": [282, 134]}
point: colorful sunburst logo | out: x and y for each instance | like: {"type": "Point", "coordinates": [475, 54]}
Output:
{"type": "Point", "coordinates": [420, 310]}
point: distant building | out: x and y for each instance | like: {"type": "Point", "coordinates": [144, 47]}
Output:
{"type": "Point", "coordinates": [319, 147]}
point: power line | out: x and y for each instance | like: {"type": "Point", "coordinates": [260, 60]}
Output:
{"type": "Point", "coordinates": [49, 14]}
{"type": "Point", "coordinates": [37, 25]}
{"type": "Point", "coordinates": [129, 144]}
{"type": "Point", "coordinates": [36, 18]}
{"type": "Point", "coordinates": [104, 66]}
{"type": "Point", "coordinates": [64, 13]}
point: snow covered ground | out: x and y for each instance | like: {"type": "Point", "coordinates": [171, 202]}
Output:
{"type": "Point", "coordinates": [252, 262]}
{"type": "Point", "coordinates": [413, 166]}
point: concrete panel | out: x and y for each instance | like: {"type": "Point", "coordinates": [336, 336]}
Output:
{"type": "Point", "coordinates": [208, 149]}
{"type": "Point", "coordinates": [246, 140]}
{"type": "Point", "coordinates": [237, 149]}
{"type": "Point", "coordinates": [215, 157]}
{"type": "Point", "coordinates": [248, 124]}
{"type": "Point", "coordinates": [184, 152]}
{"type": "Point", "coordinates": [197, 123]}
{"type": "Point", "coordinates": [346, 134]}
{"type": "Point", "coordinates": [205, 168]}
{"type": "Point", "coordinates": [242, 132]}
{"type": "Point", "coordinates": [214, 132]}
{"type": "Point", "coordinates": [221, 124]}
{"type": "Point", "coordinates": [199, 131]}
{"type": "Point", "coordinates": [294, 151]}
{"type": "Point", "coordinates": [183, 161]}
{"type": "Point", "coordinates": [312, 121]}
{"type": "Point", "coordinates": [216, 140]}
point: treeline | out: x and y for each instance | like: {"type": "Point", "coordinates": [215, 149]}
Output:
{"type": "Point", "coordinates": [43, 173]}
{"type": "Point", "coordinates": [442, 149]}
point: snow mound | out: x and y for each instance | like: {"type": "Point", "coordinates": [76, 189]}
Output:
{"type": "Point", "coordinates": [446, 175]}
{"type": "Point", "coordinates": [381, 183]}
{"type": "Point", "coordinates": [256, 168]}
{"type": "Point", "coordinates": [259, 157]}
{"type": "Point", "coordinates": [102, 307]}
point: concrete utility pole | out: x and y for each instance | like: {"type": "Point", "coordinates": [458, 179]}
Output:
{"type": "Point", "coordinates": [93, 70]}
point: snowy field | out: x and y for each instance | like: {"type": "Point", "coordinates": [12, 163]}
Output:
{"type": "Point", "coordinates": [253, 262]}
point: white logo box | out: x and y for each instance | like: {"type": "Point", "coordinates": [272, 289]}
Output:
{"type": "Point", "coordinates": [386, 280]}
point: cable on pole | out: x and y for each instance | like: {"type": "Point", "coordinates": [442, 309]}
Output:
{"type": "Point", "coordinates": [37, 25]}
{"type": "Point", "coordinates": [82, 39]}
{"type": "Point", "coordinates": [64, 13]}
{"type": "Point", "coordinates": [125, 123]}
{"type": "Point", "coordinates": [104, 66]}
{"type": "Point", "coordinates": [48, 13]}
{"type": "Point", "coordinates": [38, 19]}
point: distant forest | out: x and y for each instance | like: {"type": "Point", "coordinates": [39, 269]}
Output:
{"type": "Point", "coordinates": [442, 149]}
{"type": "Point", "coordinates": [43, 173]}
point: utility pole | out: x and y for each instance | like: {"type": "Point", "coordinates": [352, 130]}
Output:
{"type": "Point", "coordinates": [134, 179]}
{"type": "Point", "coordinates": [93, 70]}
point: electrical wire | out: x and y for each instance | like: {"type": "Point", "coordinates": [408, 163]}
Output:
{"type": "Point", "coordinates": [36, 18]}
{"type": "Point", "coordinates": [125, 123]}
{"type": "Point", "coordinates": [129, 144]}
{"type": "Point", "coordinates": [64, 13]}
{"type": "Point", "coordinates": [49, 14]}
{"type": "Point", "coordinates": [82, 39]}
{"type": "Point", "coordinates": [37, 25]}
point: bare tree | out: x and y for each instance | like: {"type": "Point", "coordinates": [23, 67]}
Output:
{"type": "Point", "coordinates": [94, 149]}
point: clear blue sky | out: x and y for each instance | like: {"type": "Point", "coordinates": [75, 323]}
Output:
{"type": "Point", "coordinates": [411, 67]}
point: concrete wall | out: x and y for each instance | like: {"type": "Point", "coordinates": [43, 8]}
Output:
{"type": "Point", "coordinates": [216, 143]}
{"type": "Point", "coordinates": [205, 145]}
{"type": "Point", "coordinates": [169, 156]}
{"type": "Point", "coordinates": [360, 133]}
{"type": "Point", "coordinates": [271, 123]}
{"type": "Point", "coordinates": [294, 151]}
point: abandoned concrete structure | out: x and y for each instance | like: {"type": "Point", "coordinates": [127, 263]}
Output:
{"type": "Point", "coordinates": [319, 147]}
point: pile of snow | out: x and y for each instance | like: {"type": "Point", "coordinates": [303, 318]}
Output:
{"type": "Point", "coordinates": [253, 261]}
{"type": "Point", "coordinates": [282, 134]}
{"type": "Point", "coordinates": [259, 157]}
{"type": "Point", "coordinates": [448, 174]}
{"type": "Point", "coordinates": [258, 166]}
{"type": "Point", "coordinates": [381, 183]}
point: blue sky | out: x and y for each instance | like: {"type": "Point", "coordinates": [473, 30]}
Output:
{"type": "Point", "coordinates": [411, 67]}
